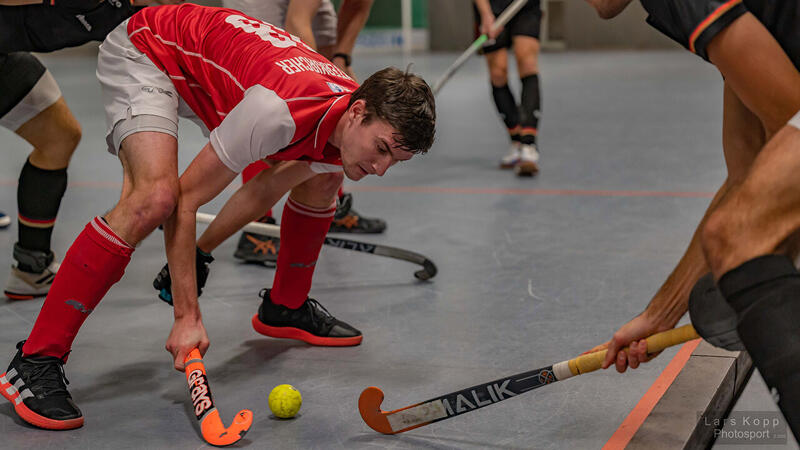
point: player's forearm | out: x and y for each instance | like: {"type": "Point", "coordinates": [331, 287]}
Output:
{"type": "Point", "coordinates": [251, 200]}
{"type": "Point", "coordinates": [484, 7]}
{"type": "Point", "coordinates": [608, 9]}
{"type": "Point", "coordinates": [672, 300]}
{"type": "Point", "coordinates": [353, 14]}
{"type": "Point", "coordinates": [179, 237]}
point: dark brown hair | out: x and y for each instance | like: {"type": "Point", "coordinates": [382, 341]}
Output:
{"type": "Point", "coordinates": [405, 102]}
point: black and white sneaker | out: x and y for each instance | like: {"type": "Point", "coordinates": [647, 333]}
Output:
{"type": "Point", "coordinates": [37, 387]}
{"type": "Point", "coordinates": [310, 323]}
{"type": "Point", "coordinates": [255, 248]}
{"type": "Point", "coordinates": [347, 220]}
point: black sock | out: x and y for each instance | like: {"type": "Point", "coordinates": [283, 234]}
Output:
{"type": "Point", "coordinates": [765, 292]}
{"type": "Point", "coordinates": [38, 197]}
{"type": "Point", "coordinates": [531, 108]}
{"type": "Point", "coordinates": [506, 106]}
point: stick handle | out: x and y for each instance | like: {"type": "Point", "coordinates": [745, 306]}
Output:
{"type": "Point", "coordinates": [655, 343]}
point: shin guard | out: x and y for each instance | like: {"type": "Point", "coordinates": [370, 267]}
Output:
{"type": "Point", "coordinates": [765, 292]}
{"type": "Point", "coordinates": [39, 196]}
{"type": "Point", "coordinates": [303, 232]}
{"type": "Point", "coordinates": [95, 261]}
{"type": "Point", "coordinates": [506, 106]}
{"type": "Point", "coordinates": [531, 109]}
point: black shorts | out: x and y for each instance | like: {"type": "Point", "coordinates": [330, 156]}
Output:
{"type": "Point", "coordinates": [44, 28]}
{"type": "Point", "coordinates": [19, 72]}
{"type": "Point", "coordinates": [694, 23]}
{"type": "Point", "coordinates": [527, 22]}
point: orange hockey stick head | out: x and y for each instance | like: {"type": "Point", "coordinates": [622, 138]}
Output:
{"type": "Point", "coordinates": [211, 426]}
{"type": "Point", "coordinates": [369, 405]}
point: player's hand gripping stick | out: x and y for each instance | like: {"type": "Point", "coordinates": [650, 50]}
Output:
{"type": "Point", "coordinates": [470, 399]}
{"type": "Point", "coordinates": [501, 20]}
{"type": "Point", "coordinates": [211, 426]}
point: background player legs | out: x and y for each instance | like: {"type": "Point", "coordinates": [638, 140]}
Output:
{"type": "Point", "coordinates": [497, 62]}
{"type": "Point", "coordinates": [526, 51]}
{"type": "Point", "coordinates": [54, 134]}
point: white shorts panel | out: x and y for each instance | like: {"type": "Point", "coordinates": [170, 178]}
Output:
{"type": "Point", "coordinates": [43, 94]}
{"type": "Point", "coordinates": [132, 85]}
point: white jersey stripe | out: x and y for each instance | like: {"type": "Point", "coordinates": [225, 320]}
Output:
{"type": "Point", "coordinates": [316, 133]}
{"type": "Point", "coordinates": [188, 53]}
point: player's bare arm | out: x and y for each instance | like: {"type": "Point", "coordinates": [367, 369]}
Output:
{"type": "Point", "coordinates": [746, 102]}
{"type": "Point", "coordinates": [487, 19]}
{"type": "Point", "coordinates": [299, 15]}
{"type": "Point", "coordinates": [353, 14]}
{"type": "Point", "coordinates": [608, 9]}
{"type": "Point", "coordinates": [249, 201]}
{"type": "Point", "coordinates": [205, 177]}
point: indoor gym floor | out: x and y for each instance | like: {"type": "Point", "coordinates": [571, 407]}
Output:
{"type": "Point", "coordinates": [531, 271]}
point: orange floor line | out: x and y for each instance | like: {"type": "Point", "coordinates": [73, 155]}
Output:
{"type": "Point", "coordinates": [639, 413]}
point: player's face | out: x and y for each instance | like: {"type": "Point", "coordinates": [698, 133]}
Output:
{"type": "Point", "coordinates": [370, 149]}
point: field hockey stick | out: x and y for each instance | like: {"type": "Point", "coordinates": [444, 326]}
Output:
{"type": "Point", "coordinates": [427, 272]}
{"type": "Point", "coordinates": [501, 20]}
{"type": "Point", "coordinates": [475, 397]}
{"type": "Point", "coordinates": [211, 426]}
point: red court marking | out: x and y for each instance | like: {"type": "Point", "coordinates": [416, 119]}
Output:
{"type": "Point", "coordinates": [639, 413]}
{"type": "Point", "coordinates": [543, 192]}
{"type": "Point", "coordinates": [456, 190]}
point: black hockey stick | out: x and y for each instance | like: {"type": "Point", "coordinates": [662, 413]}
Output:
{"type": "Point", "coordinates": [475, 397]}
{"type": "Point", "coordinates": [427, 272]}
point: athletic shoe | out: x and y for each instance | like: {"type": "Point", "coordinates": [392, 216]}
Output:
{"type": "Point", "coordinates": [512, 158]}
{"type": "Point", "coordinates": [310, 323]}
{"type": "Point", "coordinates": [258, 248]}
{"type": "Point", "coordinates": [37, 387]}
{"type": "Point", "coordinates": [347, 220]}
{"type": "Point", "coordinates": [528, 164]}
{"type": "Point", "coordinates": [33, 274]}
{"type": "Point", "coordinates": [5, 221]}
{"type": "Point", "coordinates": [163, 281]}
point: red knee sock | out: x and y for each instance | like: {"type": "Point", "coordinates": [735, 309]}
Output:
{"type": "Point", "coordinates": [251, 171]}
{"type": "Point", "coordinates": [341, 191]}
{"type": "Point", "coordinates": [303, 230]}
{"type": "Point", "coordinates": [95, 261]}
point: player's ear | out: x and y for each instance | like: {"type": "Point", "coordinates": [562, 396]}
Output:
{"type": "Point", "coordinates": [357, 110]}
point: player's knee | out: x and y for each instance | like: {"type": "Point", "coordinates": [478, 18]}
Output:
{"type": "Point", "coordinates": [155, 205]}
{"type": "Point", "coordinates": [717, 238]}
{"type": "Point", "coordinates": [329, 183]}
{"type": "Point", "coordinates": [498, 75]}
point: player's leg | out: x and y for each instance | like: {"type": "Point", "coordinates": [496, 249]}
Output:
{"type": "Point", "coordinates": [740, 239]}
{"type": "Point", "coordinates": [95, 261]}
{"type": "Point", "coordinates": [55, 134]}
{"type": "Point", "coordinates": [497, 64]}
{"type": "Point", "coordinates": [286, 310]}
{"type": "Point", "coordinates": [35, 110]}
{"type": "Point", "coordinates": [253, 247]}
{"type": "Point", "coordinates": [526, 51]}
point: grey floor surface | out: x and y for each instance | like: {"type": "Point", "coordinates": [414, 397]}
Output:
{"type": "Point", "coordinates": [532, 271]}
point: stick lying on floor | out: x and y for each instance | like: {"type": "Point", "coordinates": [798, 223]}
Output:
{"type": "Point", "coordinates": [427, 272]}
{"type": "Point", "coordinates": [470, 399]}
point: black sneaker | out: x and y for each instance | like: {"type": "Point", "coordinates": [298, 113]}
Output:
{"type": "Point", "coordinates": [310, 323]}
{"type": "Point", "coordinates": [258, 248]}
{"type": "Point", "coordinates": [163, 281]}
{"type": "Point", "coordinates": [37, 387]}
{"type": "Point", "coordinates": [347, 220]}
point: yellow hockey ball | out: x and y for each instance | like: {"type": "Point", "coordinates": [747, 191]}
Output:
{"type": "Point", "coordinates": [284, 401]}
